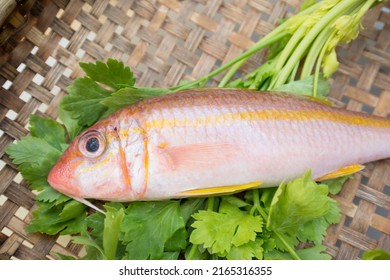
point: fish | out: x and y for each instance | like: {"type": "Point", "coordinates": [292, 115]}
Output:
{"type": "Point", "coordinates": [212, 141]}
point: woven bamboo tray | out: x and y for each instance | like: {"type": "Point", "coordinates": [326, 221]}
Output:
{"type": "Point", "coordinates": [165, 41]}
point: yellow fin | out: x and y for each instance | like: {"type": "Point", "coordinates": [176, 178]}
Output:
{"type": "Point", "coordinates": [344, 171]}
{"type": "Point", "coordinates": [218, 190]}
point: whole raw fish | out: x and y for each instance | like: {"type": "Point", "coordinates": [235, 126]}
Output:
{"type": "Point", "coordinates": [215, 141]}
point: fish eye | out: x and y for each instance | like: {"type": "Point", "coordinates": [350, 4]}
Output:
{"type": "Point", "coordinates": [92, 144]}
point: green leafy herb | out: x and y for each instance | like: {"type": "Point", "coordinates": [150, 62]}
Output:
{"type": "Point", "coordinates": [336, 184]}
{"type": "Point", "coordinates": [83, 101]}
{"type": "Point", "coordinates": [67, 217]}
{"type": "Point", "coordinates": [305, 87]}
{"type": "Point", "coordinates": [298, 202]}
{"type": "Point", "coordinates": [39, 128]}
{"type": "Point", "coordinates": [113, 73]}
{"type": "Point", "coordinates": [35, 155]}
{"type": "Point", "coordinates": [94, 251]}
{"type": "Point", "coordinates": [130, 95]}
{"type": "Point", "coordinates": [376, 254]}
{"type": "Point", "coordinates": [106, 88]}
{"type": "Point", "coordinates": [248, 251]}
{"type": "Point", "coordinates": [220, 231]}
{"type": "Point", "coordinates": [299, 211]}
{"type": "Point", "coordinates": [111, 231]}
{"type": "Point", "coordinates": [151, 227]}
{"type": "Point", "coordinates": [312, 253]}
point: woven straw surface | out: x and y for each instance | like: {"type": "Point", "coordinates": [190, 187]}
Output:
{"type": "Point", "coordinates": [165, 41]}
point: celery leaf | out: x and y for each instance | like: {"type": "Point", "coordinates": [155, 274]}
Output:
{"type": "Point", "coordinates": [83, 101]}
{"type": "Point", "coordinates": [130, 95]}
{"type": "Point", "coordinates": [305, 87]}
{"type": "Point", "coordinates": [113, 73]}
{"type": "Point", "coordinates": [35, 155]}
{"type": "Point", "coordinates": [218, 232]}
{"type": "Point", "coordinates": [376, 254]}
{"type": "Point", "coordinates": [148, 226]}
{"type": "Point", "coordinates": [248, 251]}
{"type": "Point", "coordinates": [303, 209]}
{"type": "Point", "coordinates": [312, 253]}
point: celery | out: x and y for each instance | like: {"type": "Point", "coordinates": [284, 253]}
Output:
{"type": "Point", "coordinates": [312, 34]}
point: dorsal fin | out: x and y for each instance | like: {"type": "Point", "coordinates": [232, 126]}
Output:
{"type": "Point", "coordinates": [319, 100]}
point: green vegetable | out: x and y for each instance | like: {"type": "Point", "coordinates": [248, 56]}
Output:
{"type": "Point", "coordinates": [83, 101]}
{"type": "Point", "coordinates": [113, 74]}
{"type": "Point", "coordinates": [376, 254]}
{"type": "Point", "coordinates": [298, 211]}
{"type": "Point", "coordinates": [299, 202]}
{"type": "Point", "coordinates": [35, 155]}
{"type": "Point", "coordinates": [313, 253]}
{"type": "Point", "coordinates": [259, 224]}
{"type": "Point", "coordinates": [307, 39]}
{"type": "Point", "coordinates": [152, 229]}
{"type": "Point", "coordinates": [220, 231]}
{"type": "Point", "coordinates": [112, 223]}
{"type": "Point", "coordinates": [129, 95]}
{"type": "Point", "coordinates": [105, 88]}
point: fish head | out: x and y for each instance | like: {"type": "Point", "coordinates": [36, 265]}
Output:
{"type": "Point", "coordinates": [91, 165]}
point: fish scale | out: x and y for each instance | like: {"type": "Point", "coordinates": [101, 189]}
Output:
{"type": "Point", "coordinates": [216, 141]}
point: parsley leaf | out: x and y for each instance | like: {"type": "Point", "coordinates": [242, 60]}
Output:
{"type": "Point", "coordinates": [113, 73]}
{"type": "Point", "coordinates": [258, 78]}
{"type": "Point", "coordinates": [218, 232]}
{"type": "Point", "coordinates": [305, 87]}
{"type": "Point", "coordinates": [106, 88]}
{"type": "Point", "coordinates": [297, 202]}
{"type": "Point", "coordinates": [247, 251]}
{"type": "Point", "coordinates": [83, 101]}
{"type": "Point", "coordinates": [301, 211]}
{"type": "Point", "coordinates": [72, 125]}
{"type": "Point", "coordinates": [39, 128]}
{"type": "Point", "coordinates": [315, 230]}
{"type": "Point", "coordinates": [190, 206]}
{"type": "Point", "coordinates": [312, 253]}
{"type": "Point", "coordinates": [376, 254]}
{"type": "Point", "coordinates": [130, 95]}
{"type": "Point", "coordinates": [31, 151]}
{"type": "Point", "coordinates": [93, 249]}
{"type": "Point", "coordinates": [148, 226]}
{"type": "Point", "coordinates": [51, 218]}
{"type": "Point", "coordinates": [51, 195]}
{"type": "Point", "coordinates": [35, 155]}
{"type": "Point", "coordinates": [336, 184]}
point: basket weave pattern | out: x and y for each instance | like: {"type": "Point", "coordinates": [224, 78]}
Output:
{"type": "Point", "coordinates": [165, 41]}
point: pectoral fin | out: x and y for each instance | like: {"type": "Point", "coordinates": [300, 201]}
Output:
{"type": "Point", "coordinates": [218, 190]}
{"type": "Point", "coordinates": [347, 170]}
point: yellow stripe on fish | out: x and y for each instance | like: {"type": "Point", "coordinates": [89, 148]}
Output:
{"type": "Point", "coordinates": [272, 114]}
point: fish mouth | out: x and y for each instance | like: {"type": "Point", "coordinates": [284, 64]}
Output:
{"type": "Point", "coordinates": [61, 180]}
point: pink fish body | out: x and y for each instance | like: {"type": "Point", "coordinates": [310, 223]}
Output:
{"type": "Point", "coordinates": [207, 141]}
